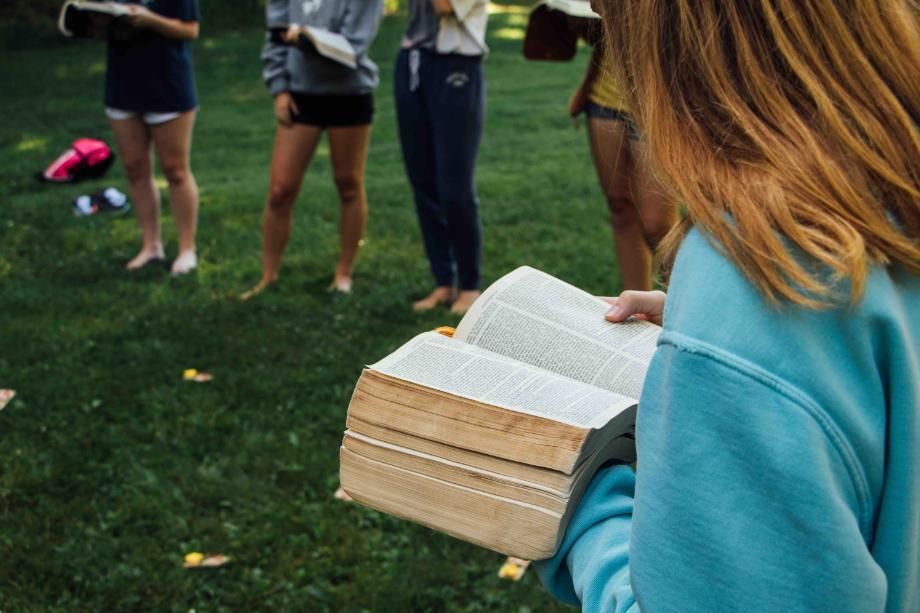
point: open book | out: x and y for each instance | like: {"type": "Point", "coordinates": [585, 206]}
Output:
{"type": "Point", "coordinates": [328, 44]}
{"type": "Point", "coordinates": [88, 19]}
{"type": "Point", "coordinates": [491, 435]}
{"type": "Point", "coordinates": [550, 34]}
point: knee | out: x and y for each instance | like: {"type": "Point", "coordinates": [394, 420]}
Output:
{"type": "Point", "coordinates": [349, 187]}
{"type": "Point", "coordinates": [176, 174]}
{"type": "Point", "coordinates": [462, 209]}
{"type": "Point", "coordinates": [281, 197]}
{"type": "Point", "coordinates": [137, 169]}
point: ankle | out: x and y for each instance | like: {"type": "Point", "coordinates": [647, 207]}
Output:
{"type": "Point", "coordinates": [343, 271]}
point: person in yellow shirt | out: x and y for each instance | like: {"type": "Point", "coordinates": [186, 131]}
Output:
{"type": "Point", "coordinates": [638, 212]}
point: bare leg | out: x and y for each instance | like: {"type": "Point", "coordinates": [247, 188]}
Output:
{"type": "Point", "coordinates": [132, 139]}
{"type": "Point", "coordinates": [173, 142]}
{"type": "Point", "coordinates": [656, 215]}
{"type": "Point", "coordinates": [348, 149]}
{"type": "Point", "coordinates": [614, 164]}
{"type": "Point", "coordinates": [294, 148]}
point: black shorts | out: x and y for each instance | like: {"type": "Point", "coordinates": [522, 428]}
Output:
{"type": "Point", "coordinates": [334, 111]}
{"type": "Point", "coordinates": [597, 111]}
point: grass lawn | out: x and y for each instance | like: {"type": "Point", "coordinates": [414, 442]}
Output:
{"type": "Point", "coordinates": [112, 468]}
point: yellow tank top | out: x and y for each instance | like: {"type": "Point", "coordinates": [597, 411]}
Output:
{"type": "Point", "coordinates": [605, 91]}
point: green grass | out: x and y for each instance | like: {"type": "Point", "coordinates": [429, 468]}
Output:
{"type": "Point", "coordinates": [112, 468]}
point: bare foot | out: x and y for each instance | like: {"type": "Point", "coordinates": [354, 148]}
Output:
{"type": "Point", "coordinates": [260, 287]}
{"type": "Point", "coordinates": [440, 295]}
{"type": "Point", "coordinates": [341, 283]}
{"type": "Point", "coordinates": [464, 301]}
{"type": "Point", "coordinates": [184, 264]}
{"type": "Point", "coordinates": [146, 256]}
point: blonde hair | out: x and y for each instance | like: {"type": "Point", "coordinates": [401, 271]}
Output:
{"type": "Point", "coordinates": [786, 128]}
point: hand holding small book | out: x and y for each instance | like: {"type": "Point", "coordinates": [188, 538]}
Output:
{"type": "Point", "coordinates": [139, 16]}
{"type": "Point", "coordinates": [332, 45]}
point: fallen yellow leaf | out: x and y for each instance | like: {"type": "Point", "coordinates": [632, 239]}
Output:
{"type": "Point", "coordinates": [193, 559]}
{"type": "Point", "coordinates": [513, 569]}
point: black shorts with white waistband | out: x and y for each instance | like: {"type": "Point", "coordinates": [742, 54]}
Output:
{"type": "Point", "coordinates": [333, 111]}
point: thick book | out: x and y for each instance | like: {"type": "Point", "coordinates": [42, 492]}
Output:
{"type": "Point", "coordinates": [89, 19]}
{"type": "Point", "coordinates": [331, 45]}
{"type": "Point", "coordinates": [492, 434]}
{"type": "Point", "coordinates": [550, 35]}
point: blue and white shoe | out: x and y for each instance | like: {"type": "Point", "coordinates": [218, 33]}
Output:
{"type": "Point", "coordinates": [108, 200]}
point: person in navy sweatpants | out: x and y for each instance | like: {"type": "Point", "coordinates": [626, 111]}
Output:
{"type": "Point", "coordinates": [440, 105]}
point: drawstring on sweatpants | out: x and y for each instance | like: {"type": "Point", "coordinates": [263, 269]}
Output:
{"type": "Point", "coordinates": [415, 60]}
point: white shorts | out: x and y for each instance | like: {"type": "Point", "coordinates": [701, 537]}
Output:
{"type": "Point", "coordinates": [151, 119]}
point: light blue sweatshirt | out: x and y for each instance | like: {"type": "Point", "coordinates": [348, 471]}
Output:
{"type": "Point", "coordinates": [779, 458]}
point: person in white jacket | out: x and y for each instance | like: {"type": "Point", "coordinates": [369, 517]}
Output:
{"type": "Point", "coordinates": [440, 106]}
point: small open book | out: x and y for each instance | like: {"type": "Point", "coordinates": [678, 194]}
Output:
{"type": "Point", "coordinates": [88, 19]}
{"type": "Point", "coordinates": [328, 44]}
{"type": "Point", "coordinates": [491, 435]}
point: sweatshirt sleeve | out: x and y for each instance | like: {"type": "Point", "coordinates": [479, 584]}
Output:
{"type": "Point", "coordinates": [747, 498]}
{"type": "Point", "coordinates": [596, 544]}
{"type": "Point", "coordinates": [362, 18]}
{"type": "Point", "coordinates": [274, 55]}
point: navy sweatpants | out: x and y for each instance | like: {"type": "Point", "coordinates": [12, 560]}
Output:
{"type": "Point", "coordinates": [440, 106]}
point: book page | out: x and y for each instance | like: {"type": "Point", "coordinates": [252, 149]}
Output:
{"type": "Point", "coordinates": [436, 361]}
{"type": "Point", "coordinates": [109, 8]}
{"type": "Point", "coordinates": [535, 318]}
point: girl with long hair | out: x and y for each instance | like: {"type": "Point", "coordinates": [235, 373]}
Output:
{"type": "Point", "coordinates": [778, 432]}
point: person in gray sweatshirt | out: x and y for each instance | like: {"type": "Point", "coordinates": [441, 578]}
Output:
{"type": "Point", "coordinates": [313, 93]}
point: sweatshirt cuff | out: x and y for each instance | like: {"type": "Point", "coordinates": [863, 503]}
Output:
{"type": "Point", "coordinates": [279, 85]}
{"type": "Point", "coordinates": [609, 496]}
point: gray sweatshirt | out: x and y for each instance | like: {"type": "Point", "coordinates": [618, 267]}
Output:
{"type": "Point", "coordinates": [287, 68]}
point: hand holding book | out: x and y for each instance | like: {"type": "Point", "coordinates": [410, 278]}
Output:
{"type": "Point", "coordinates": [647, 306]}
{"type": "Point", "coordinates": [139, 16]}
{"type": "Point", "coordinates": [331, 45]}
{"type": "Point", "coordinates": [491, 435]}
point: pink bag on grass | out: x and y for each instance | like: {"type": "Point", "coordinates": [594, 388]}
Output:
{"type": "Point", "coordinates": [87, 158]}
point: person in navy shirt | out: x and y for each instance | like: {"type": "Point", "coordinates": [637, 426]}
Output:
{"type": "Point", "coordinates": [150, 99]}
